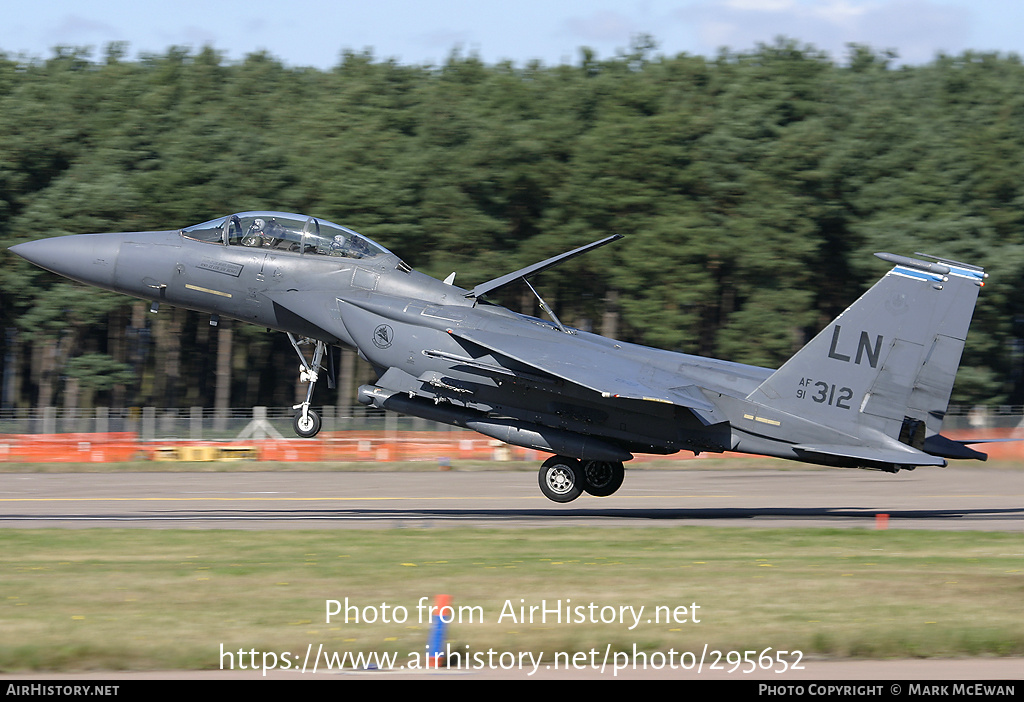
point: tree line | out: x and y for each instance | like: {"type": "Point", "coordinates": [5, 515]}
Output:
{"type": "Point", "coordinates": [752, 189]}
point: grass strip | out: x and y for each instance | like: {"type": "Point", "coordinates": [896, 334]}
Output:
{"type": "Point", "coordinates": [166, 599]}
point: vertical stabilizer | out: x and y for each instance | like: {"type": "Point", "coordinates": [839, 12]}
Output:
{"type": "Point", "coordinates": [888, 362]}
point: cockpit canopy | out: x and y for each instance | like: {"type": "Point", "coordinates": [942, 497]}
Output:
{"type": "Point", "coordinates": [284, 231]}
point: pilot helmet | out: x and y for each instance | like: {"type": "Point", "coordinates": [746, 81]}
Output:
{"type": "Point", "coordinates": [259, 224]}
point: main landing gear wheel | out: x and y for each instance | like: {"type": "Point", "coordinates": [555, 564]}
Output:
{"type": "Point", "coordinates": [602, 478]}
{"type": "Point", "coordinates": [307, 424]}
{"type": "Point", "coordinates": [561, 479]}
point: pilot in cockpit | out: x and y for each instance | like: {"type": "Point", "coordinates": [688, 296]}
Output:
{"type": "Point", "coordinates": [338, 246]}
{"type": "Point", "coordinates": [255, 236]}
{"type": "Point", "coordinates": [261, 233]}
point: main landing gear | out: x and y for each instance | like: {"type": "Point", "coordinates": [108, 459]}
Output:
{"type": "Point", "coordinates": [563, 479]}
{"type": "Point", "coordinates": [307, 422]}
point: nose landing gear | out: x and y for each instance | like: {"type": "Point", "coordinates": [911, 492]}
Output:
{"type": "Point", "coordinates": [307, 422]}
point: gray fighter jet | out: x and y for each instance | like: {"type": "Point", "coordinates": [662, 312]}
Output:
{"type": "Point", "coordinates": [869, 391]}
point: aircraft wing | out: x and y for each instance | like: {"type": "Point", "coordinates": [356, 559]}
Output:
{"type": "Point", "coordinates": [568, 357]}
{"type": "Point", "coordinates": [577, 361]}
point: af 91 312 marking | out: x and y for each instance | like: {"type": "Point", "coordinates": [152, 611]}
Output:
{"type": "Point", "coordinates": [825, 393]}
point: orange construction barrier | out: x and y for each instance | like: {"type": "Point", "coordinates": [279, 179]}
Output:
{"type": "Point", "coordinates": [349, 446]}
{"type": "Point", "coordinates": [111, 447]}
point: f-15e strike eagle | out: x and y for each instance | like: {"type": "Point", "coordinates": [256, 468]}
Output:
{"type": "Point", "coordinates": [869, 391]}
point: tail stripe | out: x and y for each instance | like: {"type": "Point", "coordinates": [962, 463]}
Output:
{"type": "Point", "coordinates": [921, 275]}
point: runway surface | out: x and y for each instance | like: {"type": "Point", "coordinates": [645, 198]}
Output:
{"type": "Point", "coordinates": [940, 498]}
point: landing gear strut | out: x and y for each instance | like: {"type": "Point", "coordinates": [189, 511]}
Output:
{"type": "Point", "coordinates": [563, 479]}
{"type": "Point", "coordinates": [307, 422]}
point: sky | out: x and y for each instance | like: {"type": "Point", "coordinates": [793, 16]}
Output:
{"type": "Point", "coordinates": [425, 32]}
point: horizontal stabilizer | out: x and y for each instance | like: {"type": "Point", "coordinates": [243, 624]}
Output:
{"type": "Point", "coordinates": [909, 457]}
{"type": "Point", "coordinates": [940, 445]}
{"type": "Point", "coordinates": [969, 442]}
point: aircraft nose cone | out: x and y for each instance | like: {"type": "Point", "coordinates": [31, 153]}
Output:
{"type": "Point", "coordinates": [89, 258]}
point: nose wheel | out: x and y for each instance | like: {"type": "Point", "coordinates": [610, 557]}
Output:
{"type": "Point", "coordinates": [307, 422]}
